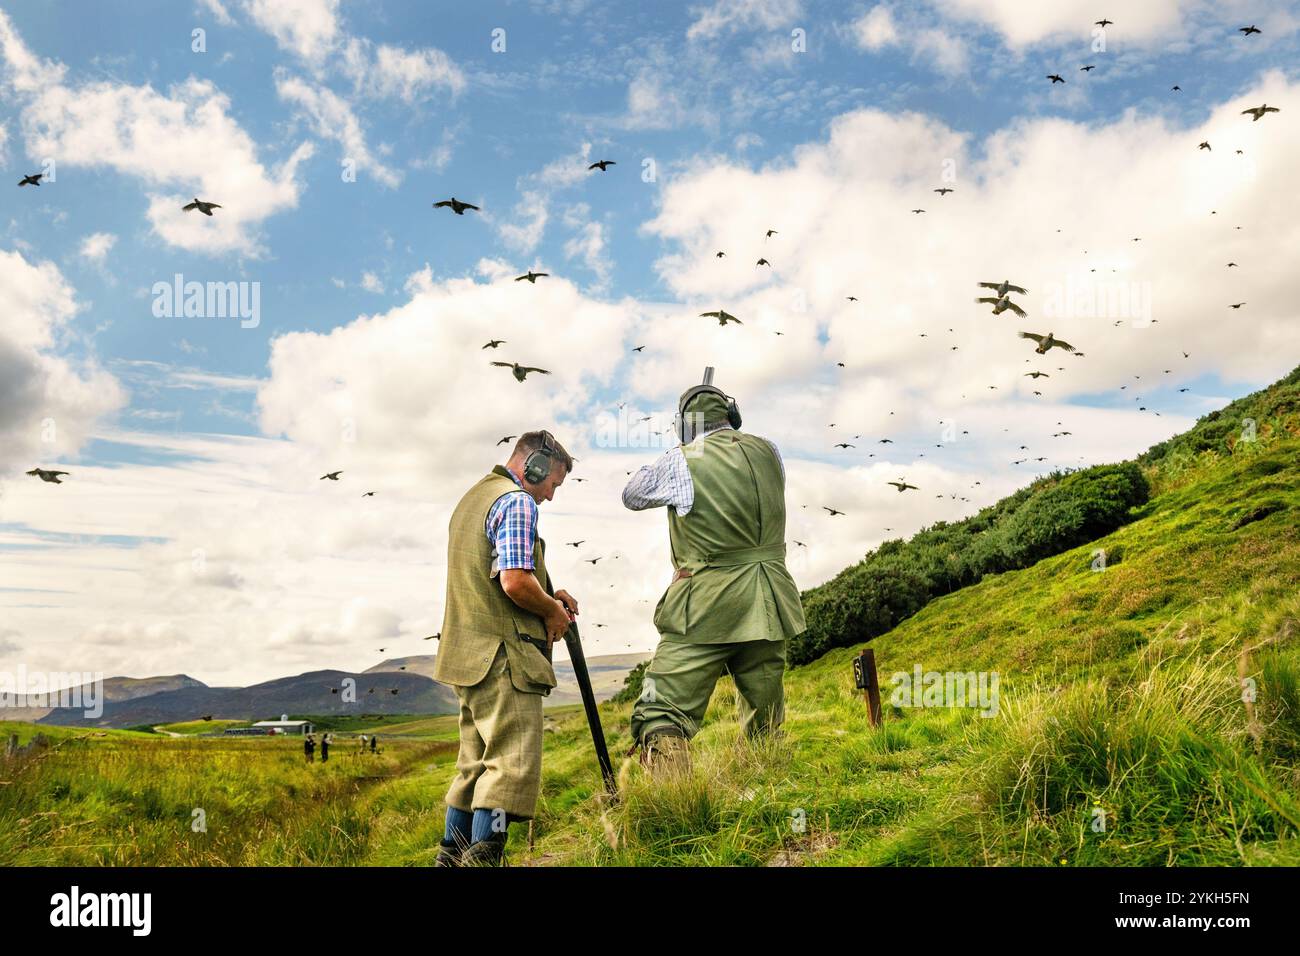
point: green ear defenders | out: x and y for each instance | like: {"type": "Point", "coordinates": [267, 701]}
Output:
{"type": "Point", "coordinates": [538, 463]}
{"type": "Point", "coordinates": [686, 433]}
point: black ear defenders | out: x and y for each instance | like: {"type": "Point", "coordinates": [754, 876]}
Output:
{"type": "Point", "coordinates": [733, 412]}
{"type": "Point", "coordinates": [538, 463]}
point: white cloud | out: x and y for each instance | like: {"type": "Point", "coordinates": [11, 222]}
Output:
{"type": "Point", "coordinates": [410, 76]}
{"type": "Point", "coordinates": [876, 29]}
{"type": "Point", "coordinates": [181, 142]}
{"type": "Point", "coordinates": [370, 282]}
{"type": "Point", "coordinates": [48, 402]}
{"type": "Point", "coordinates": [1024, 22]}
{"type": "Point", "coordinates": [96, 246]}
{"type": "Point", "coordinates": [733, 15]}
{"type": "Point", "coordinates": [307, 28]}
{"type": "Point", "coordinates": [332, 117]}
{"type": "Point", "coordinates": [524, 235]}
{"type": "Point", "coordinates": [942, 51]}
{"type": "Point", "coordinates": [218, 11]}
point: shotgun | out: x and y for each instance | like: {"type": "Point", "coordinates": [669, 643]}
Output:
{"type": "Point", "coordinates": [579, 662]}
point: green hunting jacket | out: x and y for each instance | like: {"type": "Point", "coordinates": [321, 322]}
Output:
{"type": "Point", "coordinates": [733, 544]}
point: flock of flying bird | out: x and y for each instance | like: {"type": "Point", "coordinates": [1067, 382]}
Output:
{"type": "Point", "coordinates": [1000, 300]}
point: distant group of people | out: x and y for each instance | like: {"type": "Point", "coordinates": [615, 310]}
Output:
{"type": "Point", "coordinates": [309, 745]}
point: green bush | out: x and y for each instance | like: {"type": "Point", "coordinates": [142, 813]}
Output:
{"type": "Point", "coordinates": [1053, 515]}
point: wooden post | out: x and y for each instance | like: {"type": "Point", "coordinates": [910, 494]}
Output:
{"type": "Point", "coordinates": [864, 676]}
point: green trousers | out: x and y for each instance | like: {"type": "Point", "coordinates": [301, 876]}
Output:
{"type": "Point", "coordinates": [681, 677]}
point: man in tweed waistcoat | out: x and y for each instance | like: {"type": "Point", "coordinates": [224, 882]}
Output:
{"type": "Point", "coordinates": [501, 619]}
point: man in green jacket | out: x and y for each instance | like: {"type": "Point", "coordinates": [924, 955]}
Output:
{"type": "Point", "coordinates": [500, 621]}
{"type": "Point", "coordinates": [732, 604]}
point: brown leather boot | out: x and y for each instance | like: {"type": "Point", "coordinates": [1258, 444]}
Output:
{"type": "Point", "coordinates": [666, 751]}
{"type": "Point", "coordinates": [488, 852]}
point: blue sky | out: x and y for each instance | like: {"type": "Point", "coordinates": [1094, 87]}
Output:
{"type": "Point", "coordinates": [825, 121]}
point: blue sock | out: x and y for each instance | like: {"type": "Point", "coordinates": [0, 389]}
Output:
{"type": "Point", "coordinates": [458, 826]}
{"type": "Point", "coordinates": [483, 825]}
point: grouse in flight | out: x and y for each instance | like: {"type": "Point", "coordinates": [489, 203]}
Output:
{"type": "Point", "coordinates": [521, 371]}
{"type": "Point", "coordinates": [1046, 342]}
{"type": "Point", "coordinates": [33, 180]}
{"type": "Point", "coordinates": [455, 205]}
{"type": "Point", "coordinates": [203, 207]}
{"type": "Point", "coordinates": [1259, 111]}
{"type": "Point", "coordinates": [51, 476]}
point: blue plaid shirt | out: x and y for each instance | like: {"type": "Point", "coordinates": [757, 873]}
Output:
{"type": "Point", "coordinates": [512, 528]}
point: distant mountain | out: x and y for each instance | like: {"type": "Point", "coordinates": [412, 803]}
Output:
{"type": "Point", "coordinates": [130, 702]}
{"type": "Point", "coordinates": [309, 693]}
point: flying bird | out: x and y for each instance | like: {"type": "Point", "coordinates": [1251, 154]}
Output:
{"type": "Point", "coordinates": [902, 485]}
{"type": "Point", "coordinates": [1003, 287]}
{"type": "Point", "coordinates": [918, 210]}
{"type": "Point", "coordinates": [1206, 145]}
{"type": "Point", "coordinates": [1085, 69]}
{"type": "Point", "coordinates": [770, 234]}
{"type": "Point", "coordinates": [531, 277]}
{"type": "Point", "coordinates": [638, 348]}
{"type": "Point", "coordinates": [1103, 23]}
{"type": "Point", "coordinates": [574, 544]}
{"type": "Point", "coordinates": [455, 205]}
{"type": "Point", "coordinates": [943, 190]}
{"type": "Point", "coordinates": [845, 444]}
{"type": "Point", "coordinates": [1259, 111]}
{"type": "Point", "coordinates": [762, 262]}
{"type": "Point", "coordinates": [51, 476]}
{"type": "Point", "coordinates": [33, 180]}
{"type": "Point", "coordinates": [1046, 342]}
{"type": "Point", "coordinates": [1037, 375]}
{"type": "Point", "coordinates": [1055, 77]}
{"type": "Point", "coordinates": [368, 494]}
{"type": "Point", "coordinates": [719, 254]}
{"type": "Point", "coordinates": [332, 476]}
{"type": "Point", "coordinates": [602, 165]}
{"type": "Point", "coordinates": [1175, 88]}
{"type": "Point", "coordinates": [722, 317]}
{"type": "Point", "coordinates": [203, 207]}
{"type": "Point", "coordinates": [507, 438]}
{"type": "Point", "coordinates": [1000, 305]}
{"type": "Point", "coordinates": [1236, 305]}
{"type": "Point", "coordinates": [1247, 31]}
{"type": "Point", "coordinates": [832, 511]}
{"type": "Point", "coordinates": [592, 560]}
{"type": "Point", "coordinates": [521, 371]}
{"type": "Point", "coordinates": [494, 343]}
